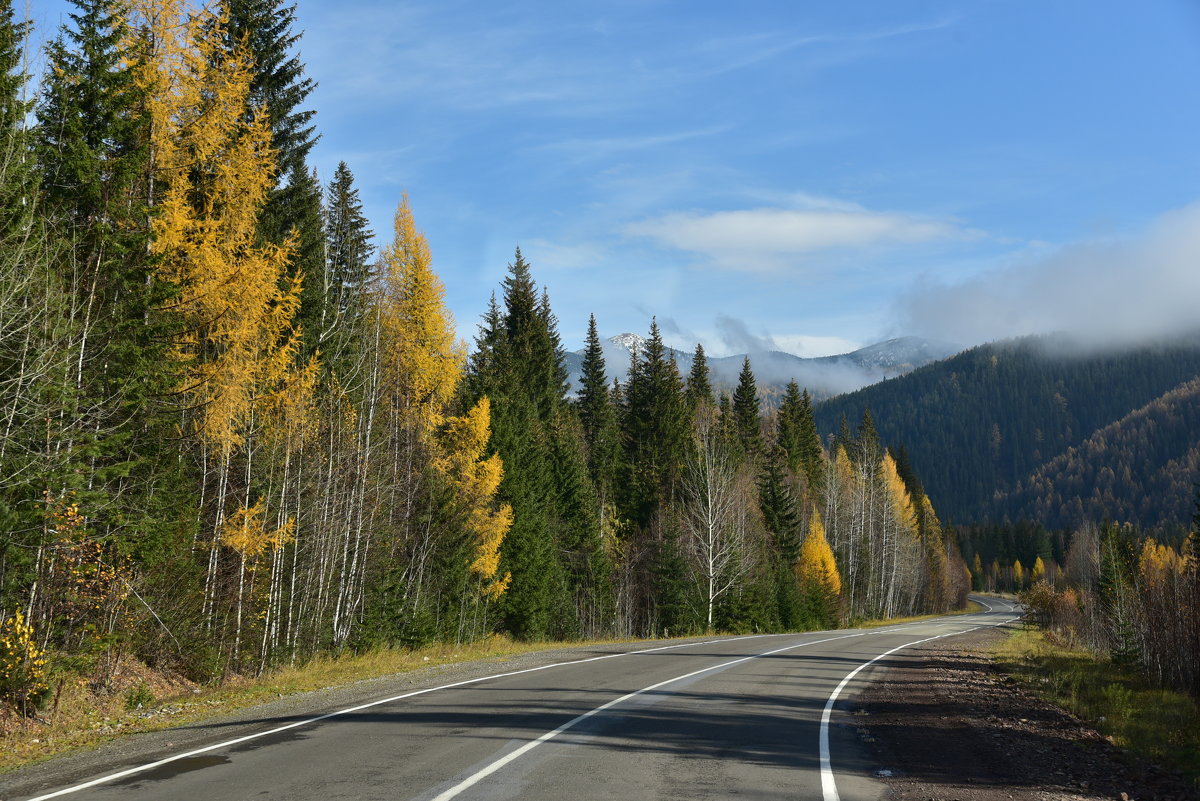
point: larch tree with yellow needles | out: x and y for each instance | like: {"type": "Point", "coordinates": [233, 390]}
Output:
{"type": "Point", "coordinates": [235, 299]}
{"type": "Point", "coordinates": [422, 364]}
{"type": "Point", "coordinates": [817, 571]}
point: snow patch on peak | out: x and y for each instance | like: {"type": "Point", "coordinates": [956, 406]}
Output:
{"type": "Point", "coordinates": [630, 342]}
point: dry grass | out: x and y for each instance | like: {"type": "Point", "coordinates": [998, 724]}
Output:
{"type": "Point", "coordinates": [971, 608]}
{"type": "Point", "coordinates": [1159, 725]}
{"type": "Point", "coordinates": [83, 719]}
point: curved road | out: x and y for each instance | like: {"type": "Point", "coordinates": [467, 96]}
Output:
{"type": "Point", "coordinates": [755, 717]}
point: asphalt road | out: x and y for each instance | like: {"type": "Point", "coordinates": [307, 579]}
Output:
{"type": "Point", "coordinates": [748, 717]}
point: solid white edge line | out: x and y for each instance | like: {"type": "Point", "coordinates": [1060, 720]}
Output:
{"type": "Point", "coordinates": [829, 790]}
{"type": "Point", "coordinates": [121, 774]}
{"type": "Point", "coordinates": [296, 724]}
{"type": "Point", "coordinates": [491, 768]}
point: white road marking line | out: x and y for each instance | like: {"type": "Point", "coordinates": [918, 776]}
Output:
{"type": "Point", "coordinates": [308, 721]}
{"type": "Point", "coordinates": [828, 785]}
{"type": "Point", "coordinates": [479, 775]}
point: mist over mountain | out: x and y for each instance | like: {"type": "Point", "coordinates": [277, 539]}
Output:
{"type": "Point", "coordinates": [823, 376]}
{"type": "Point", "coordinates": [1050, 428]}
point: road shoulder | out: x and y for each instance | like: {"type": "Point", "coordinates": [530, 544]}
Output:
{"type": "Point", "coordinates": [947, 724]}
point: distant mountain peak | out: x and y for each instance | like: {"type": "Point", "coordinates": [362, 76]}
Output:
{"type": "Point", "coordinates": [630, 342]}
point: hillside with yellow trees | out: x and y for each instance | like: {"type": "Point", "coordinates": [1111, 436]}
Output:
{"type": "Point", "coordinates": [234, 439]}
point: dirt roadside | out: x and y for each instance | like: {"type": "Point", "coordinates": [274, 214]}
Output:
{"type": "Point", "coordinates": [949, 726]}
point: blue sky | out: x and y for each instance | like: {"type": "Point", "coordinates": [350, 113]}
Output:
{"type": "Point", "coordinates": [812, 176]}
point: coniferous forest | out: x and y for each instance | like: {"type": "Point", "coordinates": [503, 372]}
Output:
{"type": "Point", "coordinates": [239, 431]}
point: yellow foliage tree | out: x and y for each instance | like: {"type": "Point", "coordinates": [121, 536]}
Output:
{"type": "Point", "coordinates": [901, 501]}
{"type": "Point", "coordinates": [422, 357]}
{"type": "Point", "coordinates": [1159, 563]}
{"type": "Point", "coordinates": [1018, 572]}
{"type": "Point", "coordinates": [423, 364]}
{"type": "Point", "coordinates": [816, 564]}
{"type": "Point", "coordinates": [461, 460]}
{"type": "Point", "coordinates": [246, 532]}
{"type": "Point", "coordinates": [1039, 570]}
{"type": "Point", "coordinates": [213, 167]}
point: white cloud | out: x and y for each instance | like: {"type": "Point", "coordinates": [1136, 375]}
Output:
{"type": "Point", "coordinates": [1109, 291]}
{"type": "Point", "coordinates": [811, 347]}
{"type": "Point", "coordinates": [756, 239]}
{"type": "Point", "coordinates": [601, 148]}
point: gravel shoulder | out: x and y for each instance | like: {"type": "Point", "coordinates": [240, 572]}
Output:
{"type": "Point", "coordinates": [949, 725]}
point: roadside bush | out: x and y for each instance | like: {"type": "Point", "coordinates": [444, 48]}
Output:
{"type": "Point", "coordinates": [22, 665]}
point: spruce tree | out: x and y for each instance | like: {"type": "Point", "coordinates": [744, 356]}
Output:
{"type": "Point", "coordinates": [344, 277]}
{"type": "Point", "coordinates": [300, 202]}
{"type": "Point", "coordinates": [699, 387]}
{"type": "Point", "coordinates": [596, 413]}
{"type": "Point", "coordinates": [781, 516]}
{"type": "Point", "coordinates": [812, 455]}
{"type": "Point", "coordinates": [654, 425]}
{"type": "Point", "coordinates": [18, 177]}
{"type": "Point", "coordinates": [788, 431]}
{"type": "Point", "coordinates": [92, 155]}
{"type": "Point", "coordinates": [28, 307]}
{"type": "Point", "coordinates": [348, 245]}
{"type": "Point", "coordinates": [554, 550]}
{"type": "Point", "coordinates": [778, 505]}
{"type": "Point", "coordinates": [278, 85]}
{"type": "Point", "coordinates": [746, 411]}
{"type": "Point", "coordinates": [866, 439]}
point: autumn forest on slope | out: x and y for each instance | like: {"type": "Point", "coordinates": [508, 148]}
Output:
{"type": "Point", "coordinates": [237, 434]}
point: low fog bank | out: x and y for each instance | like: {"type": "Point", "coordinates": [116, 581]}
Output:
{"type": "Point", "coordinates": [1109, 294]}
{"type": "Point", "coordinates": [823, 376]}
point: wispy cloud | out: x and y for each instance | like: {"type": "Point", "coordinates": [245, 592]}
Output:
{"type": "Point", "coordinates": [756, 239]}
{"type": "Point", "coordinates": [737, 338]}
{"type": "Point", "coordinates": [1109, 291]}
{"type": "Point", "coordinates": [473, 57]}
{"type": "Point", "coordinates": [741, 52]}
{"type": "Point", "coordinates": [605, 147]}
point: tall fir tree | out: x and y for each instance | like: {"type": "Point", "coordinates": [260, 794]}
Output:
{"type": "Point", "coordinates": [746, 411]}
{"type": "Point", "coordinates": [799, 438]}
{"type": "Point", "coordinates": [699, 385]}
{"type": "Point", "coordinates": [92, 153]}
{"type": "Point", "coordinates": [781, 516]}
{"type": "Point", "coordinates": [788, 425]}
{"type": "Point", "coordinates": [596, 413]}
{"type": "Point", "coordinates": [554, 551]}
{"type": "Point", "coordinates": [301, 204]}
{"type": "Point", "coordinates": [18, 177]}
{"type": "Point", "coordinates": [348, 246]}
{"type": "Point", "coordinates": [279, 88]}
{"type": "Point", "coordinates": [654, 423]}
{"type": "Point", "coordinates": [28, 311]}
{"type": "Point", "coordinates": [278, 84]}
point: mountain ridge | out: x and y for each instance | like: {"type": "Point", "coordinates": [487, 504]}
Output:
{"type": "Point", "coordinates": [979, 425]}
{"type": "Point", "coordinates": [823, 376]}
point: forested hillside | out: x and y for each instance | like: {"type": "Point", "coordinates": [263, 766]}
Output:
{"type": "Point", "coordinates": [980, 426]}
{"type": "Point", "coordinates": [1140, 469]}
{"type": "Point", "coordinates": [234, 438]}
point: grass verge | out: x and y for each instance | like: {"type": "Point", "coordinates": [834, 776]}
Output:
{"type": "Point", "coordinates": [971, 608]}
{"type": "Point", "coordinates": [1156, 724]}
